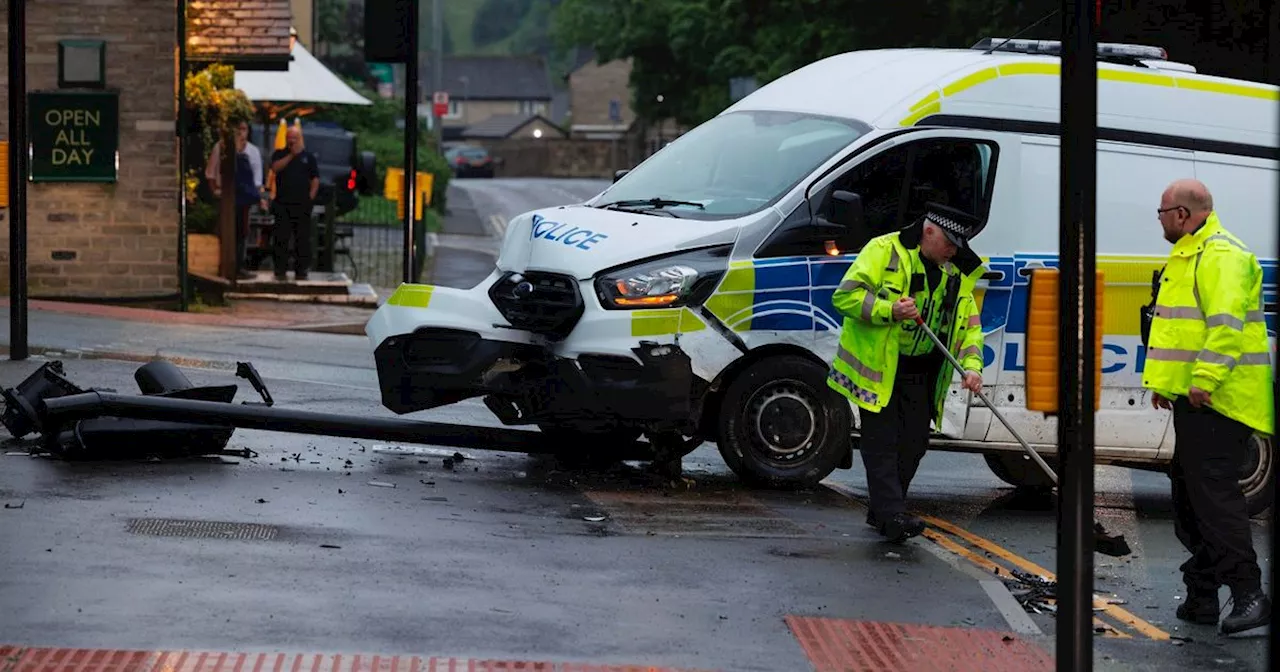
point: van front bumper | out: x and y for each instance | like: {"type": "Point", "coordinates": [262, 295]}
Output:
{"type": "Point", "coordinates": [526, 383]}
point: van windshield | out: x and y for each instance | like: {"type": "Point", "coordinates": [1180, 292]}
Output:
{"type": "Point", "coordinates": [732, 165]}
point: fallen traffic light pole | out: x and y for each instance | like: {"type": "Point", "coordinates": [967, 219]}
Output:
{"type": "Point", "coordinates": [76, 422]}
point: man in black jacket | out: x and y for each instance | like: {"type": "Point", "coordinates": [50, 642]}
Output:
{"type": "Point", "coordinates": [297, 181]}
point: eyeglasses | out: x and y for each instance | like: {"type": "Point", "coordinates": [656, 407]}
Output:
{"type": "Point", "coordinates": [1161, 211]}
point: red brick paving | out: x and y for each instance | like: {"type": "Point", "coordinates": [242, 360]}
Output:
{"type": "Point", "coordinates": [838, 645]}
{"type": "Point", "coordinates": [106, 660]}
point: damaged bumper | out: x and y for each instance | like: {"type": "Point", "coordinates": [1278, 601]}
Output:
{"type": "Point", "coordinates": [547, 360]}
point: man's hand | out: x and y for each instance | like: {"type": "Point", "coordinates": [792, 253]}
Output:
{"type": "Point", "coordinates": [972, 381]}
{"type": "Point", "coordinates": [1198, 397]}
{"type": "Point", "coordinates": [1158, 401]}
{"type": "Point", "coordinates": [905, 309]}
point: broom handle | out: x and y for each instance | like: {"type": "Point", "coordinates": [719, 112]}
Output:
{"type": "Point", "coordinates": [1025, 446]}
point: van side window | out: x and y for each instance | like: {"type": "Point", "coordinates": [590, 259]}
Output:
{"type": "Point", "coordinates": [950, 172]}
{"type": "Point", "coordinates": [894, 186]}
{"type": "Point", "coordinates": [879, 181]}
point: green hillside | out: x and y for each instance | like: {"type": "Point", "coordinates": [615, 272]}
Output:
{"type": "Point", "coordinates": [498, 27]}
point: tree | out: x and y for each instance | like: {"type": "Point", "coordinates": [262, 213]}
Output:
{"type": "Point", "coordinates": [687, 50]}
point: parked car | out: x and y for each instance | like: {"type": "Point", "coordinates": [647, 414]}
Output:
{"type": "Point", "coordinates": [470, 161]}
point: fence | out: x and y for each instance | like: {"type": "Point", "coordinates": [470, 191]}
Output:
{"type": "Point", "coordinates": [369, 242]}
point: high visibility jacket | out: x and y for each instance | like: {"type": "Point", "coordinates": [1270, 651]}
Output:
{"type": "Point", "coordinates": [888, 268]}
{"type": "Point", "coordinates": [1208, 329]}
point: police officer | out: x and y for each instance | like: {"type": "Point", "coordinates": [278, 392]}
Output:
{"type": "Point", "coordinates": [1208, 359]}
{"type": "Point", "coordinates": [888, 367]}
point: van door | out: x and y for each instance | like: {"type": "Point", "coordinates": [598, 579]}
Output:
{"type": "Point", "coordinates": [895, 178]}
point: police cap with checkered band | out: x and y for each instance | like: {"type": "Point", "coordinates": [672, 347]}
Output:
{"type": "Point", "coordinates": [959, 226]}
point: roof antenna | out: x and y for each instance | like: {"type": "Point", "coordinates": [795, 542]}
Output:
{"type": "Point", "coordinates": [1046, 17]}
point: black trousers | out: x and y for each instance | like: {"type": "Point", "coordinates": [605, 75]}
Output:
{"type": "Point", "coordinates": [293, 225]}
{"type": "Point", "coordinates": [1212, 521]}
{"type": "Point", "coordinates": [895, 440]}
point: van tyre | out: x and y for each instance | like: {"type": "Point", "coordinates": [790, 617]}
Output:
{"type": "Point", "coordinates": [1019, 470]}
{"type": "Point", "coordinates": [1257, 478]}
{"type": "Point", "coordinates": [781, 426]}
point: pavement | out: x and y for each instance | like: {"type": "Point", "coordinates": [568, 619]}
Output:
{"type": "Point", "coordinates": [506, 557]}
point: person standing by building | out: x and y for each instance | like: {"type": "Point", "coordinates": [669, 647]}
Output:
{"type": "Point", "coordinates": [1208, 359]}
{"type": "Point", "coordinates": [248, 188]}
{"type": "Point", "coordinates": [888, 367]}
{"type": "Point", "coordinates": [297, 180]}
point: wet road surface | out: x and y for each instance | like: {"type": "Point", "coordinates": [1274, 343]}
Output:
{"type": "Point", "coordinates": [341, 545]}
{"type": "Point", "coordinates": [503, 545]}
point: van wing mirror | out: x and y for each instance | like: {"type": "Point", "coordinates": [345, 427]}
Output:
{"type": "Point", "coordinates": [846, 210]}
{"type": "Point", "coordinates": [617, 174]}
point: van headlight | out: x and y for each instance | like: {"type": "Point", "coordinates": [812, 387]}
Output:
{"type": "Point", "coordinates": [682, 279]}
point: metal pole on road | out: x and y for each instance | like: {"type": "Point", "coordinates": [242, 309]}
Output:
{"type": "Point", "coordinates": [18, 170]}
{"type": "Point", "coordinates": [410, 190]}
{"type": "Point", "coordinates": [1077, 301]}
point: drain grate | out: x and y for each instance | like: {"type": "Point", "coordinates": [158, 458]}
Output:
{"type": "Point", "coordinates": [202, 529]}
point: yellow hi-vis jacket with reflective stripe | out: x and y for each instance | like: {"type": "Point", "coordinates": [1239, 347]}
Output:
{"type": "Point", "coordinates": [1208, 329]}
{"type": "Point", "coordinates": [866, 360]}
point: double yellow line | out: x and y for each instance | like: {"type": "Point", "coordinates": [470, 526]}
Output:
{"type": "Point", "coordinates": [987, 554]}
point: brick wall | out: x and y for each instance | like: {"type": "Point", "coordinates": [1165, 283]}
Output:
{"type": "Point", "coordinates": [592, 86]}
{"type": "Point", "coordinates": [124, 235]}
{"type": "Point", "coordinates": [476, 111]}
{"type": "Point", "coordinates": [544, 157]}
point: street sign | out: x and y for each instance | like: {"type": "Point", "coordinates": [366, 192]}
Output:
{"type": "Point", "coordinates": [74, 135]}
{"type": "Point", "coordinates": [440, 103]}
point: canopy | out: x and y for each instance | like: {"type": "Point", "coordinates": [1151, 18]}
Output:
{"type": "Point", "coordinates": [306, 81]}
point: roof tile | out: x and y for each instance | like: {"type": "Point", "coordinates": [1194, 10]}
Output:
{"type": "Point", "coordinates": [238, 28]}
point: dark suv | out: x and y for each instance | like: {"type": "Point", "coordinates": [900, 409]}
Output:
{"type": "Point", "coordinates": [343, 168]}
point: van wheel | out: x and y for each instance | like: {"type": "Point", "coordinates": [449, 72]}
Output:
{"type": "Point", "coordinates": [781, 426]}
{"type": "Point", "coordinates": [1019, 470]}
{"type": "Point", "coordinates": [1256, 478]}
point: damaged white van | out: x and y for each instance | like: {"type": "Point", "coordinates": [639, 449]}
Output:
{"type": "Point", "coordinates": [691, 300]}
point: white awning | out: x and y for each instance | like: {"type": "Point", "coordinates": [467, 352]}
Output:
{"type": "Point", "coordinates": [306, 81]}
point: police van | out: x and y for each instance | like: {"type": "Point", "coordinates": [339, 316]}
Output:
{"type": "Point", "coordinates": [691, 300]}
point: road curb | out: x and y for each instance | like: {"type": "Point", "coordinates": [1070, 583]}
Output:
{"type": "Point", "coordinates": [68, 354]}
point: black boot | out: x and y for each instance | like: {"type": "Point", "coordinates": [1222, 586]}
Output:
{"type": "Point", "coordinates": [1250, 610]}
{"type": "Point", "coordinates": [901, 527]}
{"type": "Point", "coordinates": [1201, 607]}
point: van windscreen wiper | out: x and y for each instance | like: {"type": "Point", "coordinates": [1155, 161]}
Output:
{"type": "Point", "coordinates": [651, 202]}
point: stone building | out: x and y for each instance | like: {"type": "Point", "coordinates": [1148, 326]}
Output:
{"type": "Point", "coordinates": [103, 210]}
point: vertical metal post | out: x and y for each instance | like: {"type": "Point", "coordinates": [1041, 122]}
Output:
{"type": "Point", "coordinates": [1077, 301]}
{"type": "Point", "coordinates": [18, 170]}
{"type": "Point", "coordinates": [1273, 77]}
{"type": "Point", "coordinates": [437, 35]}
{"type": "Point", "coordinates": [410, 192]}
{"type": "Point", "coordinates": [183, 280]}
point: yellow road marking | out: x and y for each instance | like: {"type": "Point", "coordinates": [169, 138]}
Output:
{"type": "Point", "coordinates": [1115, 611]}
{"type": "Point", "coordinates": [1112, 610]}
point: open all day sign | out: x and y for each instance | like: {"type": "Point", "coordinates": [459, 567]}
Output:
{"type": "Point", "coordinates": [74, 135]}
